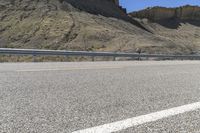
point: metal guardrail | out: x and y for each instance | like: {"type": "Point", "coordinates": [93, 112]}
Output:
{"type": "Point", "coordinates": [36, 52]}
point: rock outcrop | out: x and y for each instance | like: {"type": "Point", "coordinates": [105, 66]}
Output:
{"type": "Point", "coordinates": [109, 8]}
{"type": "Point", "coordinates": [161, 13]}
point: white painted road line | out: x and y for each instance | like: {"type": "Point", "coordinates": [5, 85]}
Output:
{"type": "Point", "coordinates": [124, 124]}
{"type": "Point", "coordinates": [67, 69]}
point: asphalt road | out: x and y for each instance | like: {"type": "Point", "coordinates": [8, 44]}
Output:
{"type": "Point", "coordinates": [66, 97]}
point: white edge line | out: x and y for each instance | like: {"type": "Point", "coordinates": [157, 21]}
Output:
{"type": "Point", "coordinates": [67, 69]}
{"type": "Point", "coordinates": [124, 124]}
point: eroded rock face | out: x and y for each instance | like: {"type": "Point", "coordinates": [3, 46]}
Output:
{"type": "Point", "coordinates": [109, 8]}
{"type": "Point", "coordinates": [161, 13]}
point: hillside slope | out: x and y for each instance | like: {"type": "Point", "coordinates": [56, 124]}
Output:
{"type": "Point", "coordinates": [87, 25]}
{"type": "Point", "coordinates": [180, 25]}
{"type": "Point", "coordinates": [53, 24]}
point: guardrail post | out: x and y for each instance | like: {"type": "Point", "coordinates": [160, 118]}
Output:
{"type": "Point", "coordinates": [114, 58]}
{"type": "Point", "coordinates": [92, 58]}
{"type": "Point", "coordinates": [66, 58]}
{"type": "Point", "coordinates": [139, 58]}
{"type": "Point", "coordinates": [34, 58]}
{"type": "Point", "coordinates": [1, 59]}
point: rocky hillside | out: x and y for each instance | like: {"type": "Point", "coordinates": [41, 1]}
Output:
{"type": "Point", "coordinates": [161, 13]}
{"type": "Point", "coordinates": [179, 25]}
{"type": "Point", "coordinates": [98, 25]}
{"type": "Point", "coordinates": [67, 24]}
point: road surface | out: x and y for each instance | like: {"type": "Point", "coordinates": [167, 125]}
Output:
{"type": "Point", "coordinates": [122, 97]}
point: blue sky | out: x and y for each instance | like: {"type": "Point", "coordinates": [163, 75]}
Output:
{"type": "Point", "coordinates": [134, 5]}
